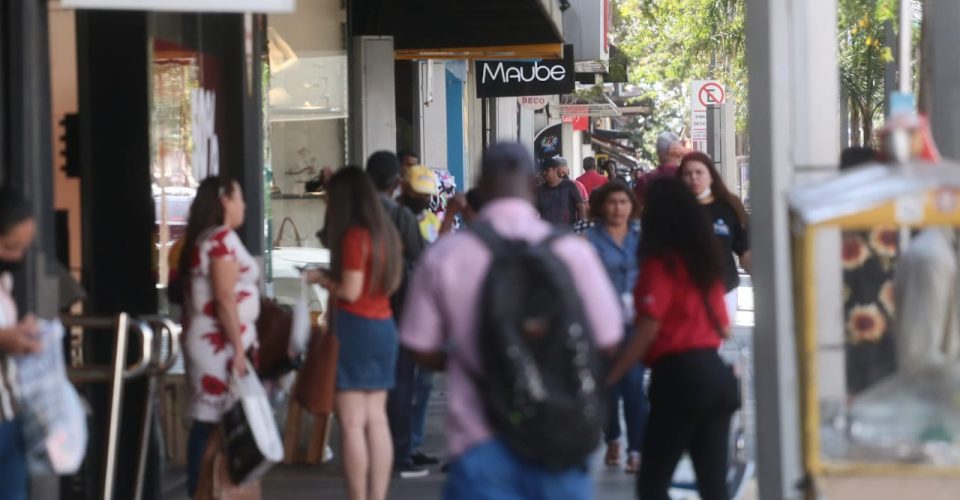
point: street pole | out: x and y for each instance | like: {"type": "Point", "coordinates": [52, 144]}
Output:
{"type": "Point", "coordinates": [795, 136]}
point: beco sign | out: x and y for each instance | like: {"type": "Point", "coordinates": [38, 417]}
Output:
{"type": "Point", "coordinates": [524, 78]}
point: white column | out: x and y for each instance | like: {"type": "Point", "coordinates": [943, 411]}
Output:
{"type": "Point", "coordinates": [527, 128]}
{"type": "Point", "coordinates": [505, 126]}
{"type": "Point", "coordinates": [569, 138]}
{"type": "Point", "coordinates": [372, 98]}
{"type": "Point", "coordinates": [433, 114]}
{"type": "Point", "coordinates": [794, 126]}
{"type": "Point", "coordinates": [945, 38]}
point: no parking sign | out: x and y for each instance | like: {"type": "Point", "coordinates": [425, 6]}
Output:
{"type": "Point", "coordinates": [703, 93]}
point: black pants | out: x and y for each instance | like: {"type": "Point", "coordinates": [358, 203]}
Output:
{"type": "Point", "coordinates": [692, 397]}
{"type": "Point", "coordinates": [400, 407]}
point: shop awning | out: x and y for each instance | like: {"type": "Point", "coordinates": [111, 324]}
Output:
{"type": "Point", "coordinates": [465, 29]}
{"type": "Point", "coordinates": [622, 155]}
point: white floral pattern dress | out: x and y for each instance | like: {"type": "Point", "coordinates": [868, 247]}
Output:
{"type": "Point", "coordinates": [207, 350]}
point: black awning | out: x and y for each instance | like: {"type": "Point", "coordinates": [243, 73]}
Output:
{"type": "Point", "coordinates": [440, 24]}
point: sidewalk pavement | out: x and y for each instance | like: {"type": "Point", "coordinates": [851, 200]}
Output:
{"type": "Point", "coordinates": [302, 482]}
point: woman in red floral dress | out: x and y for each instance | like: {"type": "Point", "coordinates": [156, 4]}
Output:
{"type": "Point", "coordinates": [221, 306]}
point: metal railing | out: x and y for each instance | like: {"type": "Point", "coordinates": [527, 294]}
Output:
{"type": "Point", "coordinates": [148, 364]}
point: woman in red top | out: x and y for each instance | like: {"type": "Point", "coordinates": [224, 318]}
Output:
{"type": "Point", "coordinates": [365, 268]}
{"type": "Point", "coordinates": [681, 322]}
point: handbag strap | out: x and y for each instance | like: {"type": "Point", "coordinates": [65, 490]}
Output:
{"type": "Point", "coordinates": [296, 232]}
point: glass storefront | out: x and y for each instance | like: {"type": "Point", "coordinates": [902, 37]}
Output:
{"type": "Point", "coordinates": [307, 136]}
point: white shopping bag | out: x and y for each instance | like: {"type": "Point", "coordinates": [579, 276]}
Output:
{"type": "Point", "coordinates": [300, 327]}
{"type": "Point", "coordinates": [55, 424]}
{"type": "Point", "coordinates": [253, 440]}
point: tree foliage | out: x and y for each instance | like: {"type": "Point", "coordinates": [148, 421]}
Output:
{"type": "Point", "coordinates": [863, 55]}
{"type": "Point", "coordinates": [671, 42]}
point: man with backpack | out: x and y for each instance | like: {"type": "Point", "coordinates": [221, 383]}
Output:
{"type": "Point", "coordinates": [518, 314]}
{"type": "Point", "coordinates": [383, 168]}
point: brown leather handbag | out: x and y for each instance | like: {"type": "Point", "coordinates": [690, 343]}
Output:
{"type": "Point", "coordinates": [318, 376]}
{"type": "Point", "coordinates": [214, 482]}
{"type": "Point", "coordinates": [273, 334]}
{"type": "Point", "coordinates": [278, 242]}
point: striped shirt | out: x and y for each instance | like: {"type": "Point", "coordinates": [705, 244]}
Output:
{"type": "Point", "coordinates": [8, 375]}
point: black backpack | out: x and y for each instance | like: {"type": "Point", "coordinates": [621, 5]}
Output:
{"type": "Point", "coordinates": [542, 379]}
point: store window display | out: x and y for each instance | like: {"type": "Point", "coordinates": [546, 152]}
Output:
{"type": "Point", "coordinates": [307, 107]}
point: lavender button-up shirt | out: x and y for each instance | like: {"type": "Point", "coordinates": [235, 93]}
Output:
{"type": "Point", "coordinates": [444, 294]}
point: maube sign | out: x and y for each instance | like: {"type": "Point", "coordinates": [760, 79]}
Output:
{"type": "Point", "coordinates": [526, 78]}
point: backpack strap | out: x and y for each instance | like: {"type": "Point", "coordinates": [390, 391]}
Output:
{"type": "Point", "coordinates": [493, 241]}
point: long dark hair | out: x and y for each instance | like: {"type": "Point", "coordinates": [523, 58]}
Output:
{"type": "Point", "coordinates": [599, 197]}
{"type": "Point", "coordinates": [206, 213]}
{"type": "Point", "coordinates": [353, 201]}
{"type": "Point", "coordinates": [675, 225]}
{"type": "Point", "coordinates": [717, 187]}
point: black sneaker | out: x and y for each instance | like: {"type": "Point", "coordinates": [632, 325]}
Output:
{"type": "Point", "coordinates": [410, 471]}
{"type": "Point", "coordinates": [422, 459]}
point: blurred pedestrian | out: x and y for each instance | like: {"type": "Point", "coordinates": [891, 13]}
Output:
{"type": "Point", "coordinates": [221, 283]}
{"type": "Point", "coordinates": [419, 189]}
{"type": "Point", "coordinates": [559, 200]}
{"type": "Point", "coordinates": [591, 179]}
{"type": "Point", "coordinates": [474, 205]}
{"type": "Point", "coordinates": [383, 168]}
{"type": "Point", "coordinates": [17, 336]}
{"type": "Point", "coordinates": [727, 215]}
{"type": "Point", "coordinates": [616, 238]}
{"type": "Point", "coordinates": [565, 175]}
{"type": "Point", "coordinates": [670, 150]}
{"type": "Point", "coordinates": [444, 309]}
{"type": "Point", "coordinates": [681, 322]}
{"type": "Point", "coordinates": [366, 267]}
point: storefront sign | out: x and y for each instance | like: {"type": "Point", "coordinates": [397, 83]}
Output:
{"type": "Point", "coordinates": [533, 102]}
{"type": "Point", "coordinates": [548, 143]}
{"type": "Point", "coordinates": [276, 6]}
{"type": "Point", "coordinates": [580, 123]}
{"type": "Point", "coordinates": [206, 145]}
{"type": "Point", "coordinates": [526, 78]}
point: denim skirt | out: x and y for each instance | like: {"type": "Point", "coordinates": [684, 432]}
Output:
{"type": "Point", "coordinates": [368, 352]}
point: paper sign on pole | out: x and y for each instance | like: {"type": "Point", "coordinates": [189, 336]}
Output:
{"type": "Point", "coordinates": [703, 93]}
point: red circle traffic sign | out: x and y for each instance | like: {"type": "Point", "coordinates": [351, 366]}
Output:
{"type": "Point", "coordinates": [711, 93]}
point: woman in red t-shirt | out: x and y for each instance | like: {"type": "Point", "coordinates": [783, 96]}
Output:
{"type": "Point", "coordinates": [365, 268]}
{"type": "Point", "coordinates": [681, 322]}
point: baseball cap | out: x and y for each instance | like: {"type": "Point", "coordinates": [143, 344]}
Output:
{"type": "Point", "coordinates": [422, 180]}
{"type": "Point", "coordinates": [506, 158]}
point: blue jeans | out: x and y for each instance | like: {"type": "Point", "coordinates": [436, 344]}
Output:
{"type": "Point", "coordinates": [421, 396]}
{"type": "Point", "coordinates": [13, 462]}
{"type": "Point", "coordinates": [490, 471]}
{"type": "Point", "coordinates": [196, 445]}
{"type": "Point", "coordinates": [636, 409]}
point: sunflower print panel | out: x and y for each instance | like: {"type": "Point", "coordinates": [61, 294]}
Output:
{"type": "Point", "coordinates": [869, 260]}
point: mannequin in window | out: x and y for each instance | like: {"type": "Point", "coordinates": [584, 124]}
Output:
{"type": "Point", "coordinates": [281, 57]}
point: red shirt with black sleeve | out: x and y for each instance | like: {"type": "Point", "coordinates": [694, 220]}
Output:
{"type": "Point", "coordinates": [666, 294]}
{"type": "Point", "coordinates": [357, 256]}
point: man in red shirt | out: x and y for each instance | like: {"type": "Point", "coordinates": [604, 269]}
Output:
{"type": "Point", "coordinates": [670, 150]}
{"type": "Point", "coordinates": [591, 179]}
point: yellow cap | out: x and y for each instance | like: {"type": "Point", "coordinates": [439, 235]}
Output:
{"type": "Point", "coordinates": [422, 180]}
